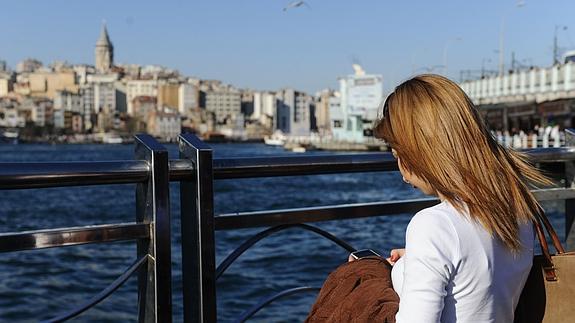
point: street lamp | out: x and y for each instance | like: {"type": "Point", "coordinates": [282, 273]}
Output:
{"type": "Point", "coordinates": [555, 46]}
{"type": "Point", "coordinates": [483, 61]}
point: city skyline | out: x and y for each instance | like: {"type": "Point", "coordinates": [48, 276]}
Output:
{"type": "Point", "coordinates": [258, 45]}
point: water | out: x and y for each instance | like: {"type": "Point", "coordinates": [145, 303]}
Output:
{"type": "Point", "coordinates": [40, 284]}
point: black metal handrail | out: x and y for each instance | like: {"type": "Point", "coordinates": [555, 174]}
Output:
{"type": "Point", "coordinates": [138, 264]}
{"type": "Point", "coordinates": [196, 170]}
{"type": "Point", "coordinates": [151, 230]}
{"type": "Point", "coordinates": [266, 233]}
{"type": "Point", "coordinates": [40, 239]}
{"type": "Point", "coordinates": [268, 300]}
{"type": "Point", "coordinates": [203, 308]}
{"type": "Point", "coordinates": [59, 174]}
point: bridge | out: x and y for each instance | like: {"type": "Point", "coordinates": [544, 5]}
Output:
{"type": "Point", "coordinates": [525, 98]}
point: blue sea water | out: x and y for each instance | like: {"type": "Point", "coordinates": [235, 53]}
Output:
{"type": "Point", "coordinates": [40, 284]}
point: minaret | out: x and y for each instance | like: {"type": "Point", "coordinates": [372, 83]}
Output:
{"type": "Point", "coordinates": [104, 52]}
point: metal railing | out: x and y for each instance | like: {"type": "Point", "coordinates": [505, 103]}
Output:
{"type": "Point", "coordinates": [151, 229]}
{"type": "Point", "coordinates": [196, 170]}
{"type": "Point", "coordinates": [200, 301]}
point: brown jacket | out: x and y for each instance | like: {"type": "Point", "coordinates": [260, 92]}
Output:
{"type": "Point", "coordinates": [357, 291]}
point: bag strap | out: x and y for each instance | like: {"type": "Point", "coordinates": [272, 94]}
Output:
{"type": "Point", "coordinates": [556, 242]}
{"type": "Point", "coordinates": [548, 267]}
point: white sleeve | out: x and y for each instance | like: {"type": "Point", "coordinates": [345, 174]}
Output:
{"type": "Point", "coordinates": [430, 249]}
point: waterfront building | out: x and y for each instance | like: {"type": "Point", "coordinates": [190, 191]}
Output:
{"type": "Point", "coordinates": [68, 101]}
{"type": "Point", "coordinates": [45, 83]}
{"type": "Point", "coordinates": [99, 94]}
{"type": "Point", "coordinates": [71, 122]}
{"type": "Point", "coordinates": [247, 102]}
{"type": "Point", "coordinates": [168, 94]}
{"type": "Point", "coordinates": [121, 97]}
{"type": "Point", "coordinates": [10, 117]}
{"type": "Point", "coordinates": [143, 106]}
{"type": "Point", "coordinates": [104, 92]}
{"type": "Point", "coordinates": [224, 102]}
{"type": "Point", "coordinates": [82, 72]}
{"type": "Point", "coordinates": [41, 111]}
{"type": "Point", "coordinates": [104, 52]}
{"type": "Point", "coordinates": [131, 71]}
{"type": "Point", "coordinates": [360, 97]}
{"type": "Point", "coordinates": [265, 108]}
{"type": "Point", "coordinates": [322, 109]}
{"type": "Point", "coordinates": [188, 98]}
{"type": "Point", "coordinates": [135, 88]}
{"type": "Point", "coordinates": [293, 112]}
{"type": "Point", "coordinates": [157, 72]}
{"type": "Point", "coordinates": [5, 84]}
{"type": "Point", "coordinates": [165, 124]}
{"type": "Point", "coordinates": [28, 65]}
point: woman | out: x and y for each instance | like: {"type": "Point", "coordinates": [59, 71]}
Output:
{"type": "Point", "coordinates": [467, 258]}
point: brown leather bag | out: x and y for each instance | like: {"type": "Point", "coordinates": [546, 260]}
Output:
{"type": "Point", "coordinates": [549, 293]}
{"type": "Point", "coordinates": [359, 291]}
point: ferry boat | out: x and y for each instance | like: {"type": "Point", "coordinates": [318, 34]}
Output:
{"type": "Point", "coordinates": [9, 136]}
{"type": "Point", "coordinates": [277, 139]}
{"type": "Point", "coordinates": [112, 138]}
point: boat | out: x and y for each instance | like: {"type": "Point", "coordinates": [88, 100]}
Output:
{"type": "Point", "coordinates": [112, 138]}
{"type": "Point", "coordinates": [298, 149]}
{"type": "Point", "coordinates": [277, 139]}
{"type": "Point", "coordinates": [9, 136]}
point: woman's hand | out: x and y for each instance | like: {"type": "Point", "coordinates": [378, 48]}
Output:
{"type": "Point", "coordinates": [395, 254]}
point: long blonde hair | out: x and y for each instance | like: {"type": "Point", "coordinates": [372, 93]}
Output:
{"type": "Point", "coordinates": [439, 136]}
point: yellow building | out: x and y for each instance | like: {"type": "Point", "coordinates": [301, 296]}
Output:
{"type": "Point", "coordinates": [5, 86]}
{"type": "Point", "coordinates": [45, 84]}
{"type": "Point", "coordinates": [168, 95]}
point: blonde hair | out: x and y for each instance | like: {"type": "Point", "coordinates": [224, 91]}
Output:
{"type": "Point", "coordinates": [439, 136]}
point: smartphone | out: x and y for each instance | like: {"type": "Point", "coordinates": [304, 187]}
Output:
{"type": "Point", "coordinates": [364, 253]}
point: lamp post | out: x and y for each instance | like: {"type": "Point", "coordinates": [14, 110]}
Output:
{"type": "Point", "coordinates": [555, 46]}
{"type": "Point", "coordinates": [483, 60]}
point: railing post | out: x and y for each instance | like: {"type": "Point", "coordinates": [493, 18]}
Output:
{"type": "Point", "coordinates": [570, 183]}
{"type": "Point", "coordinates": [153, 207]}
{"type": "Point", "coordinates": [197, 224]}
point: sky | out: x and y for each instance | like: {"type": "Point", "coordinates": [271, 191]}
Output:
{"type": "Point", "coordinates": [256, 44]}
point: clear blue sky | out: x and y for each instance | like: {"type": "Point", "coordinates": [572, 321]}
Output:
{"type": "Point", "coordinates": [255, 44]}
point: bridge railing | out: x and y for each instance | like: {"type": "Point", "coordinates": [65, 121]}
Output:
{"type": "Point", "coordinates": [150, 230]}
{"type": "Point", "coordinates": [199, 221]}
{"type": "Point", "coordinates": [196, 170]}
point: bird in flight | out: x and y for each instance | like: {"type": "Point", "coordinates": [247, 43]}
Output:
{"type": "Point", "coordinates": [295, 4]}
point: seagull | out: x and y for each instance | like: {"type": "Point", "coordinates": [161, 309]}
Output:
{"type": "Point", "coordinates": [295, 4]}
{"type": "Point", "coordinates": [520, 3]}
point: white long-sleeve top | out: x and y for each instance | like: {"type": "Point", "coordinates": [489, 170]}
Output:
{"type": "Point", "coordinates": [453, 270]}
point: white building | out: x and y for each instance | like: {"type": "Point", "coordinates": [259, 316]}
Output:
{"type": "Point", "coordinates": [535, 84]}
{"type": "Point", "coordinates": [188, 98]}
{"type": "Point", "coordinates": [293, 112]}
{"type": "Point", "coordinates": [136, 88]}
{"type": "Point", "coordinates": [10, 118]}
{"type": "Point", "coordinates": [165, 124]}
{"type": "Point", "coordinates": [265, 107]}
{"type": "Point", "coordinates": [360, 98]}
{"type": "Point", "coordinates": [99, 95]}
{"type": "Point", "coordinates": [224, 102]}
{"type": "Point", "coordinates": [68, 101]}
